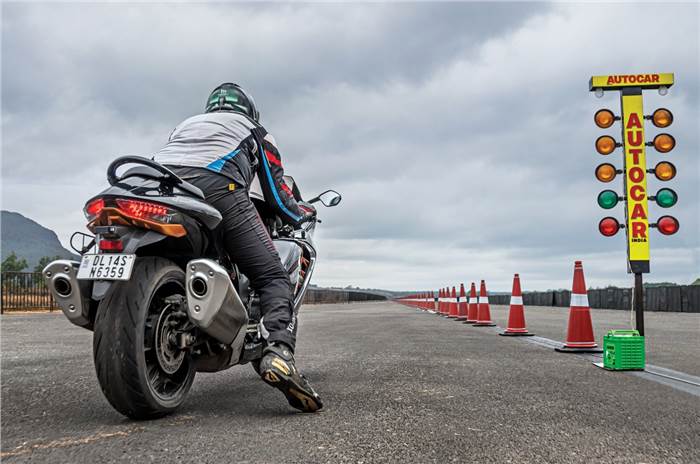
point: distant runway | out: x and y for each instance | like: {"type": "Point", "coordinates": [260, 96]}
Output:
{"type": "Point", "coordinates": [399, 386]}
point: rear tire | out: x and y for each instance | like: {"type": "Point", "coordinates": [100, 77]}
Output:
{"type": "Point", "coordinates": [126, 352]}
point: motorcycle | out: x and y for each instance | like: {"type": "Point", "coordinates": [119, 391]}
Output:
{"type": "Point", "coordinates": [160, 295]}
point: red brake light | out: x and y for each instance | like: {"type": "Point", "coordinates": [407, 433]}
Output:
{"type": "Point", "coordinates": [94, 208]}
{"type": "Point", "coordinates": [145, 210]}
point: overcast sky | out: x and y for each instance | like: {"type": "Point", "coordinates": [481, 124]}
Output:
{"type": "Point", "coordinates": [460, 135]}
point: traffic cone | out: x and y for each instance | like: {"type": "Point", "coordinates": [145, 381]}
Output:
{"type": "Point", "coordinates": [446, 302]}
{"type": "Point", "coordinates": [516, 315]}
{"type": "Point", "coordinates": [441, 301]}
{"type": "Point", "coordinates": [462, 311]}
{"type": "Point", "coordinates": [473, 307]}
{"type": "Point", "coordinates": [579, 337]}
{"type": "Point", "coordinates": [454, 312]}
{"type": "Point", "coordinates": [484, 317]}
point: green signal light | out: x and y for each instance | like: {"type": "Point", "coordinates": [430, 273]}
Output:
{"type": "Point", "coordinates": [666, 197]}
{"type": "Point", "coordinates": [607, 199]}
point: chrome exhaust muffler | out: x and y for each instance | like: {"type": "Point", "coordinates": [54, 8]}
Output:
{"type": "Point", "coordinates": [61, 277]}
{"type": "Point", "coordinates": [213, 303]}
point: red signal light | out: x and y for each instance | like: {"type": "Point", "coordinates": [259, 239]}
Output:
{"type": "Point", "coordinates": [608, 226]}
{"type": "Point", "coordinates": [667, 225]}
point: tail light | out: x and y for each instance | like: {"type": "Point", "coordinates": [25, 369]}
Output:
{"type": "Point", "coordinates": [94, 208]}
{"type": "Point", "coordinates": [146, 210]}
{"type": "Point", "coordinates": [127, 211]}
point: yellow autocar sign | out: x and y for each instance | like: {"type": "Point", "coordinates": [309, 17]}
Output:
{"type": "Point", "coordinates": [619, 81]}
{"type": "Point", "coordinates": [635, 180]}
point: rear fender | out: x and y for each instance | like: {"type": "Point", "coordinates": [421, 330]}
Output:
{"type": "Point", "coordinates": [133, 239]}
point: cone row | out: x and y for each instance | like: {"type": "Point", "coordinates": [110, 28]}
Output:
{"type": "Point", "coordinates": [474, 309]}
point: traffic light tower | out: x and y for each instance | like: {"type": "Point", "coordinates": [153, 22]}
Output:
{"type": "Point", "coordinates": [634, 169]}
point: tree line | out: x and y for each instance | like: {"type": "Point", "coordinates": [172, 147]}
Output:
{"type": "Point", "coordinates": [13, 263]}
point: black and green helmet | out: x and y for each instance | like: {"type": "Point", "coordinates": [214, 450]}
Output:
{"type": "Point", "coordinates": [231, 97]}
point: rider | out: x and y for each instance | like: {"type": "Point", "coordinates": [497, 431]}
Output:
{"type": "Point", "coordinates": [221, 151]}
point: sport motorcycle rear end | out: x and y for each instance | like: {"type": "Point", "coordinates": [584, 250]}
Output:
{"type": "Point", "coordinates": [160, 295]}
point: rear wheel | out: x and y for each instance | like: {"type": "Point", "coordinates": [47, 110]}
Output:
{"type": "Point", "coordinates": [142, 372]}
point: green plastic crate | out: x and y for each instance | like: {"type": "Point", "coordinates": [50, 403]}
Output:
{"type": "Point", "coordinates": [623, 350]}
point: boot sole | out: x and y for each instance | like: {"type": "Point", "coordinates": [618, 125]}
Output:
{"type": "Point", "coordinates": [280, 379]}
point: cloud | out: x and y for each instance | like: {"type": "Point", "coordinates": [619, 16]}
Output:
{"type": "Point", "coordinates": [460, 135]}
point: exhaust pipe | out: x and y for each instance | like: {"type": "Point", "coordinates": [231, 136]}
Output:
{"type": "Point", "coordinates": [62, 287]}
{"type": "Point", "coordinates": [213, 303]}
{"type": "Point", "coordinates": [61, 277]}
{"type": "Point", "coordinates": [199, 287]}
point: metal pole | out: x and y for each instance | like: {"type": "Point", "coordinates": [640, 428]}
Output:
{"type": "Point", "coordinates": [639, 302]}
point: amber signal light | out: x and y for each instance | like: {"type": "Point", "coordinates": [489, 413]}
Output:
{"type": "Point", "coordinates": [662, 118]}
{"type": "Point", "coordinates": [605, 172]}
{"type": "Point", "coordinates": [664, 143]}
{"type": "Point", "coordinates": [604, 118]}
{"type": "Point", "coordinates": [605, 144]}
{"type": "Point", "coordinates": [663, 171]}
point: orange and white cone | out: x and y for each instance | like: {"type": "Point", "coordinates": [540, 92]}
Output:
{"type": "Point", "coordinates": [454, 312]}
{"type": "Point", "coordinates": [441, 301]}
{"type": "Point", "coordinates": [473, 306]}
{"type": "Point", "coordinates": [462, 310]}
{"type": "Point", "coordinates": [446, 302]}
{"type": "Point", "coordinates": [516, 315]}
{"type": "Point", "coordinates": [579, 336]}
{"type": "Point", "coordinates": [431, 306]}
{"type": "Point", "coordinates": [484, 317]}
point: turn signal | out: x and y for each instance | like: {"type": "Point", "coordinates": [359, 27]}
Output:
{"type": "Point", "coordinates": [664, 143]}
{"type": "Point", "coordinates": [604, 118]}
{"type": "Point", "coordinates": [605, 172]}
{"type": "Point", "coordinates": [662, 117]}
{"type": "Point", "coordinates": [664, 171]}
{"type": "Point", "coordinates": [667, 225]}
{"type": "Point", "coordinates": [608, 226]}
{"type": "Point", "coordinates": [605, 144]}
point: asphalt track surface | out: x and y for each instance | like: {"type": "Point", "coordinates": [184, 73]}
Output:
{"type": "Point", "coordinates": [399, 386]}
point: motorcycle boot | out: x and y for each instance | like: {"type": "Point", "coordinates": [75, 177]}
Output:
{"type": "Point", "coordinates": [278, 370]}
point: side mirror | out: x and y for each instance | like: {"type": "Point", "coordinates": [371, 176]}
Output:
{"type": "Point", "coordinates": [328, 198]}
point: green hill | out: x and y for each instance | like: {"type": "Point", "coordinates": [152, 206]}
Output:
{"type": "Point", "coordinates": [28, 239]}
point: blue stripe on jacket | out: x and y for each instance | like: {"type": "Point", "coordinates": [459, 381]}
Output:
{"type": "Point", "coordinates": [271, 182]}
{"type": "Point", "coordinates": [218, 165]}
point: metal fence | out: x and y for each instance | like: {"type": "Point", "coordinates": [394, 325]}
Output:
{"type": "Point", "coordinates": [677, 298]}
{"type": "Point", "coordinates": [25, 291]}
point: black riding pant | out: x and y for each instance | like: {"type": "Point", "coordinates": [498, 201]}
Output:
{"type": "Point", "coordinates": [250, 247]}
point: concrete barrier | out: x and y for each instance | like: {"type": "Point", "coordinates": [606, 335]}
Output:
{"type": "Point", "coordinates": [679, 298]}
{"type": "Point", "coordinates": [319, 296]}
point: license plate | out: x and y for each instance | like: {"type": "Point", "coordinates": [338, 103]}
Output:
{"type": "Point", "coordinates": [106, 267]}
